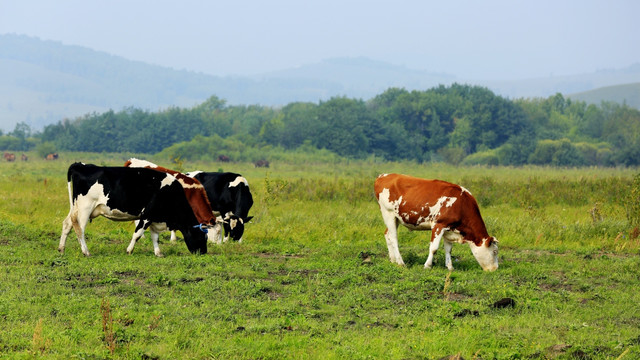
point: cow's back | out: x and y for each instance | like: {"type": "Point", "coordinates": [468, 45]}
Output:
{"type": "Point", "coordinates": [128, 189]}
{"type": "Point", "coordinates": [226, 192]}
{"type": "Point", "coordinates": [415, 192]}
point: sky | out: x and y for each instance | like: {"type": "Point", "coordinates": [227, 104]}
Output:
{"type": "Point", "coordinates": [471, 39]}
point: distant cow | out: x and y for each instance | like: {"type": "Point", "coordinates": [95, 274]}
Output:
{"type": "Point", "coordinates": [52, 156]}
{"type": "Point", "coordinates": [261, 163]}
{"type": "Point", "coordinates": [230, 199]}
{"type": "Point", "coordinates": [448, 210]}
{"type": "Point", "coordinates": [24, 157]}
{"type": "Point", "coordinates": [10, 156]}
{"type": "Point", "coordinates": [223, 158]}
{"type": "Point", "coordinates": [123, 194]}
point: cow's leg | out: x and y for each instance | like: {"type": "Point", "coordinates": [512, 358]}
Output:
{"type": "Point", "coordinates": [66, 228]}
{"type": "Point", "coordinates": [79, 223]}
{"type": "Point", "coordinates": [136, 222]}
{"type": "Point", "coordinates": [436, 235]}
{"type": "Point", "coordinates": [173, 236]}
{"type": "Point", "coordinates": [154, 239]}
{"type": "Point", "coordinates": [448, 245]}
{"type": "Point", "coordinates": [391, 236]}
{"type": "Point", "coordinates": [137, 234]}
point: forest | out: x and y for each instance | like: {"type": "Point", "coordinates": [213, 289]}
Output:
{"type": "Point", "coordinates": [457, 124]}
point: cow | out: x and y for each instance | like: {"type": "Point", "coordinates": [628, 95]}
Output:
{"type": "Point", "coordinates": [52, 156]}
{"type": "Point", "coordinates": [230, 199]}
{"type": "Point", "coordinates": [123, 194]}
{"type": "Point", "coordinates": [448, 210]}
{"type": "Point", "coordinates": [261, 163]}
{"type": "Point", "coordinates": [9, 156]}
{"type": "Point", "coordinates": [223, 158]}
{"type": "Point", "coordinates": [24, 157]}
{"type": "Point", "coordinates": [194, 191]}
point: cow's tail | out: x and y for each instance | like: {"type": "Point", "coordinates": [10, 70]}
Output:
{"type": "Point", "coordinates": [70, 195]}
{"type": "Point", "coordinates": [69, 186]}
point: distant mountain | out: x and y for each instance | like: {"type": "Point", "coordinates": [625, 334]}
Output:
{"type": "Point", "coordinates": [627, 93]}
{"type": "Point", "coordinates": [544, 87]}
{"type": "Point", "coordinates": [46, 81]}
{"type": "Point", "coordinates": [358, 77]}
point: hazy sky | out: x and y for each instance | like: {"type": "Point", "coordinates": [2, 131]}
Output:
{"type": "Point", "coordinates": [474, 39]}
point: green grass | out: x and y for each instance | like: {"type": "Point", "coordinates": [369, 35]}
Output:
{"type": "Point", "coordinates": [312, 278]}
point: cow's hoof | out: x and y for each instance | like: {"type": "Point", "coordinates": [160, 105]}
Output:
{"type": "Point", "coordinates": [160, 255]}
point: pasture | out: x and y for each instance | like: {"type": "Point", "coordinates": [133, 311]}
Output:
{"type": "Point", "coordinates": [312, 278]}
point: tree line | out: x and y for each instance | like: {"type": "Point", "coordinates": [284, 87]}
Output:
{"type": "Point", "coordinates": [459, 124]}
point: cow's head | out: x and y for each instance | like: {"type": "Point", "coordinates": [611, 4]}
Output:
{"type": "Point", "coordinates": [234, 226]}
{"type": "Point", "coordinates": [486, 254]}
{"type": "Point", "coordinates": [196, 239]}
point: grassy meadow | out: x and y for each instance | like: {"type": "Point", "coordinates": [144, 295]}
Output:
{"type": "Point", "coordinates": [312, 277]}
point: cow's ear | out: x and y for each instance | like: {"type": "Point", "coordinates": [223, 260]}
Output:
{"type": "Point", "coordinates": [247, 219]}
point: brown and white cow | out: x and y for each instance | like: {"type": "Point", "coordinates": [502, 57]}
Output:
{"type": "Point", "coordinates": [9, 156]}
{"type": "Point", "coordinates": [193, 189]}
{"type": "Point", "coordinates": [448, 210]}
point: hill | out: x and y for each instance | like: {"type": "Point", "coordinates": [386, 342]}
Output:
{"type": "Point", "coordinates": [46, 81]}
{"type": "Point", "coordinates": [627, 93]}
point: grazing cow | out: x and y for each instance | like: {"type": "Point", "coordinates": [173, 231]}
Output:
{"type": "Point", "coordinates": [223, 158]}
{"type": "Point", "coordinates": [52, 156]}
{"type": "Point", "coordinates": [448, 210]}
{"type": "Point", "coordinates": [124, 194]}
{"type": "Point", "coordinates": [194, 191]}
{"type": "Point", "coordinates": [10, 156]}
{"type": "Point", "coordinates": [24, 157]}
{"type": "Point", "coordinates": [261, 163]}
{"type": "Point", "coordinates": [230, 199]}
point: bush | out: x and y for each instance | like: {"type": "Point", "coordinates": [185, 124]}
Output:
{"type": "Point", "coordinates": [488, 157]}
{"type": "Point", "coordinates": [557, 153]}
{"type": "Point", "coordinates": [45, 148]}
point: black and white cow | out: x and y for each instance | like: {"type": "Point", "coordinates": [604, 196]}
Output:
{"type": "Point", "coordinates": [123, 194]}
{"type": "Point", "coordinates": [230, 199]}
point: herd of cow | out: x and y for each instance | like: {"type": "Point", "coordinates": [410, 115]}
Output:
{"type": "Point", "coordinates": [10, 157]}
{"type": "Point", "coordinates": [201, 205]}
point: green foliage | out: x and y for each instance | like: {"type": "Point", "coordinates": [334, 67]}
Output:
{"type": "Point", "coordinates": [557, 153]}
{"type": "Point", "coordinates": [20, 139]}
{"type": "Point", "coordinates": [487, 157]}
{"type": "Point", "coordinates": [45, 148]}
{"type": "Point", "coordinates": [442, 123]}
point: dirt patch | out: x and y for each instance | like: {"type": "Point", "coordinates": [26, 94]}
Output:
{"type": "Point", "coordinates": [271, 294]}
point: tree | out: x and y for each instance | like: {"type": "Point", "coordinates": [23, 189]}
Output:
{"type": "Point", "coordinates": [437, 135]}
{"type": "Point", "coordinates": [342, 123]}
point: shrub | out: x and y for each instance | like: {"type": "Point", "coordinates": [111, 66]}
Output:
{"type": "Point", "coordinates": [488, 157]}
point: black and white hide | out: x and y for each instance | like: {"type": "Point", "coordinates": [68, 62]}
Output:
{"type": "Point", "coordinates": [123, 194]}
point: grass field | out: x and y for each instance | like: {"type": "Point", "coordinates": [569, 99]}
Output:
{"type": "Point", "coordinates": [312, 278]}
